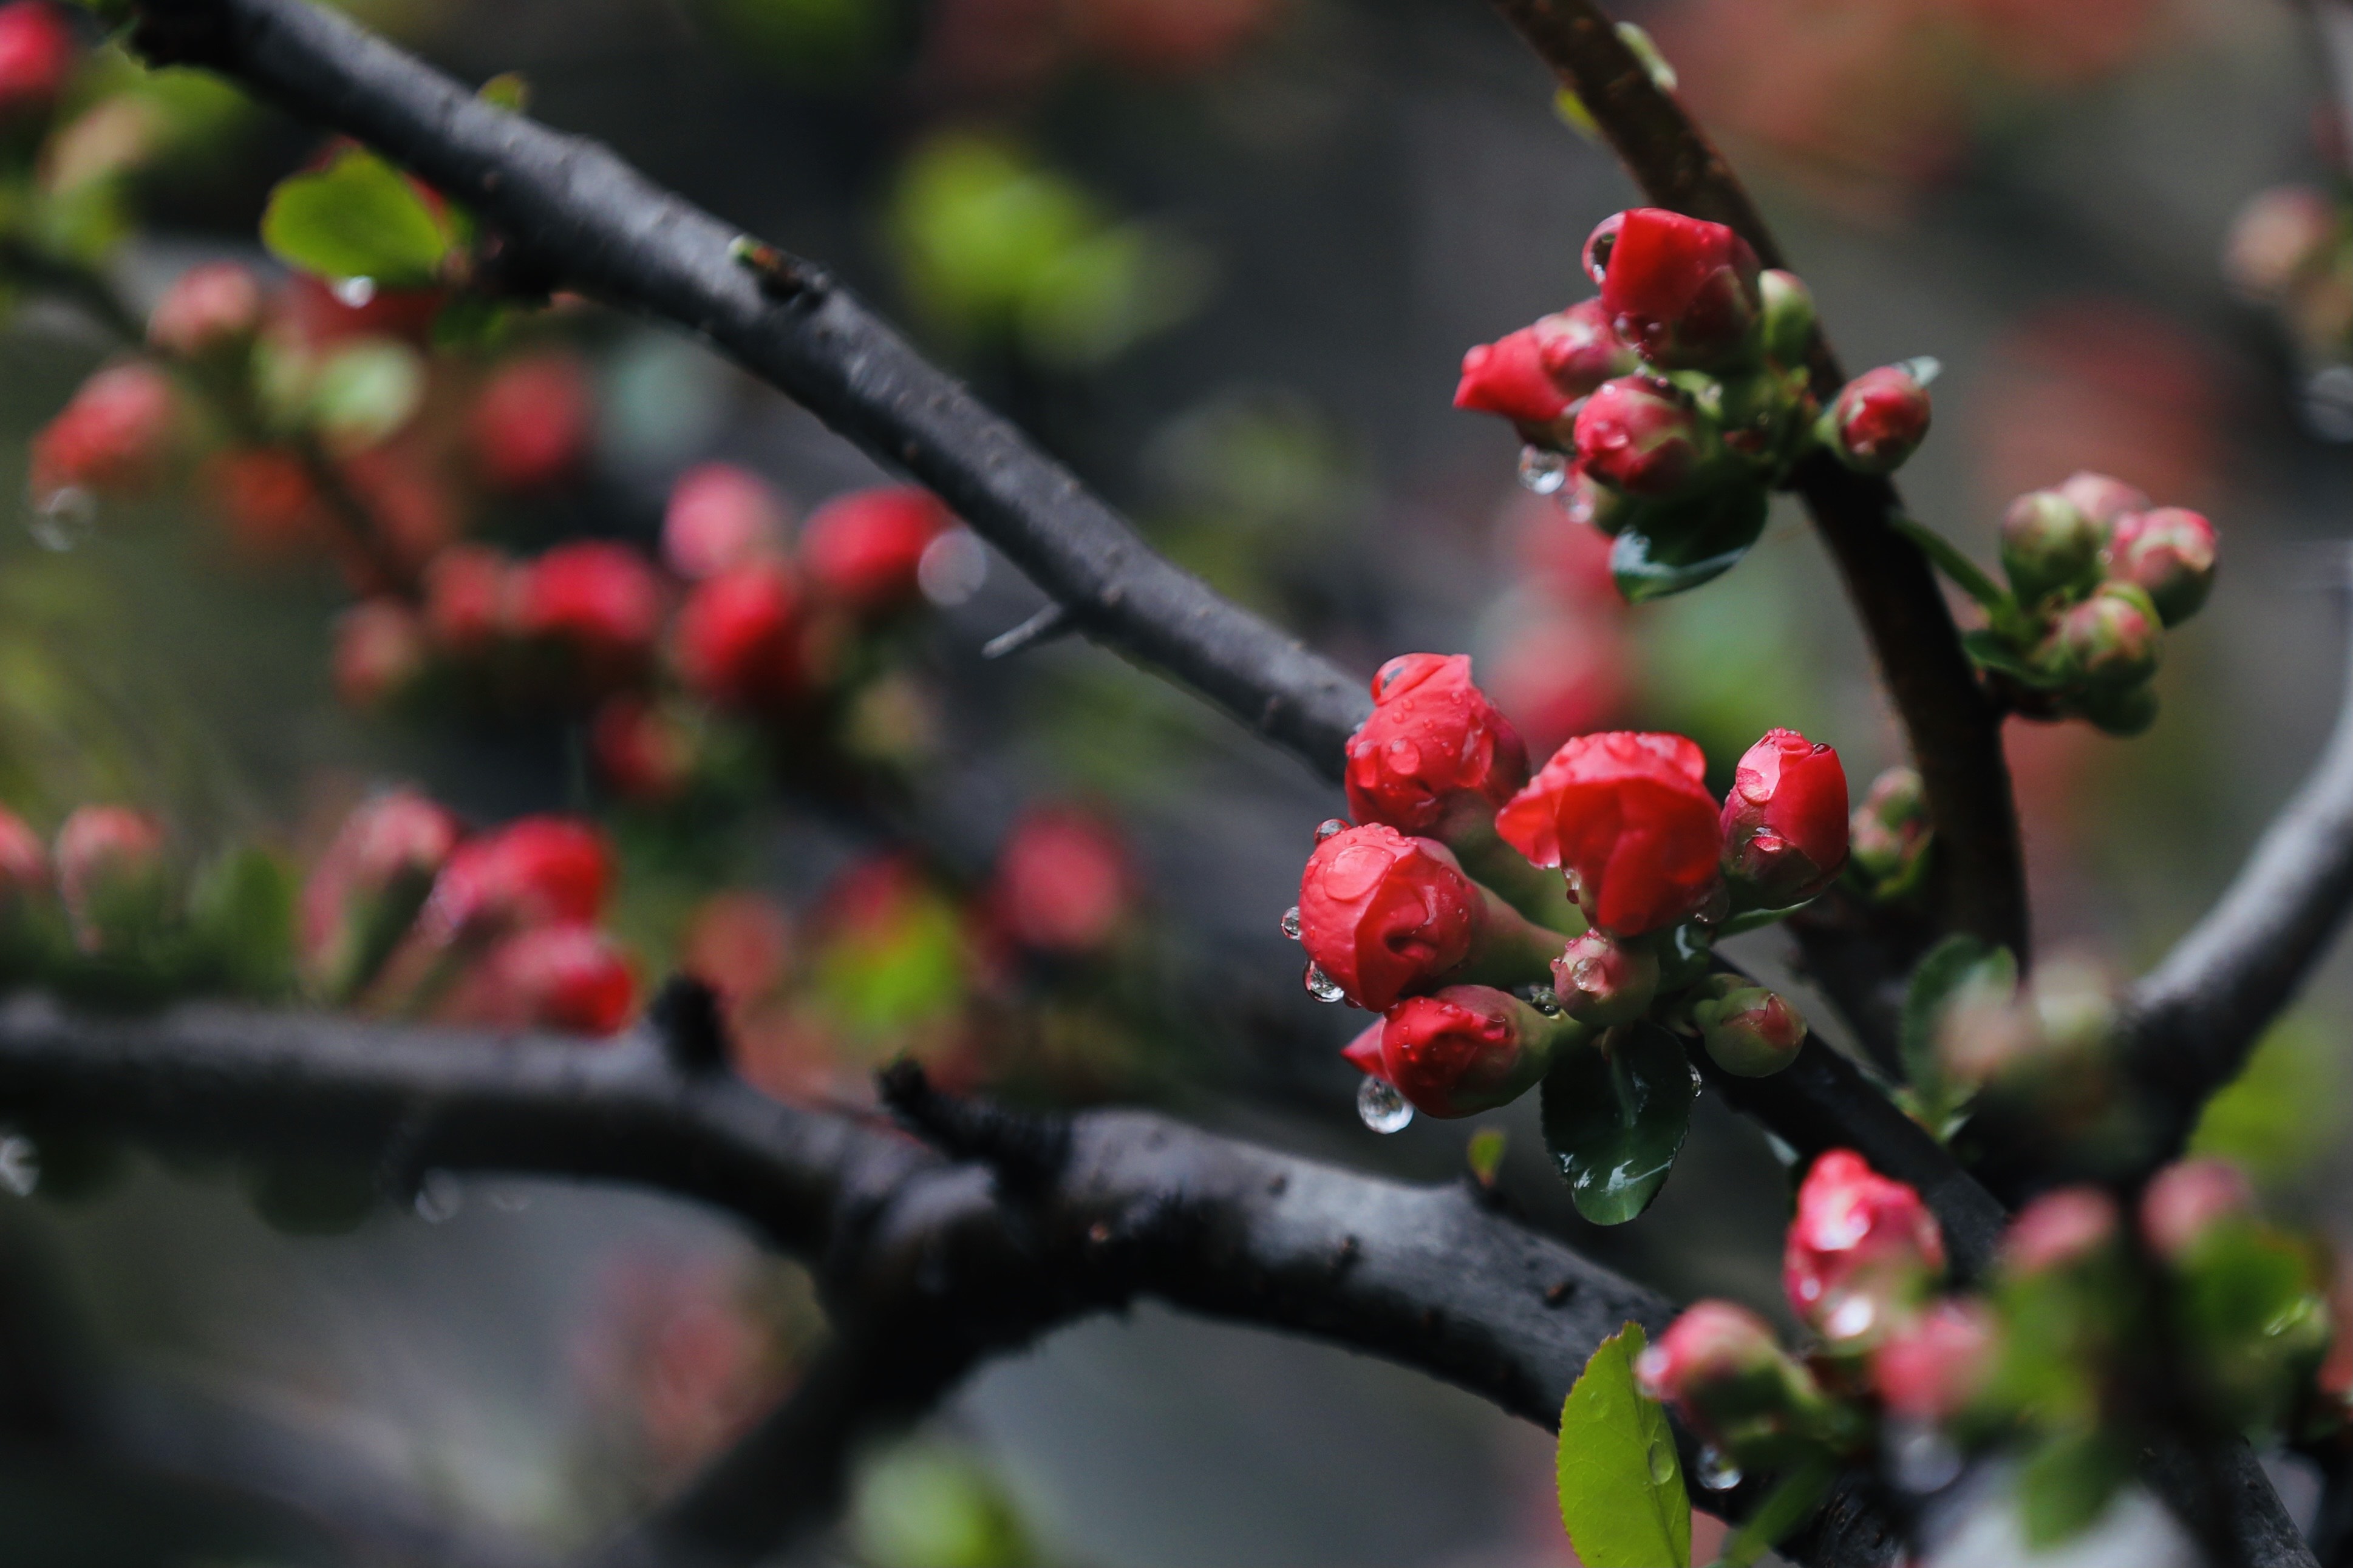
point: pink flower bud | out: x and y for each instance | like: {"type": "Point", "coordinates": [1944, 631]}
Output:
{"type": "Point", "coordinates": [739, 637]}
{"type": "Point", "coordinates": [1784, 823]}
{"type": "Point", "coordinates": [379, 653]}
{"type": "Point", "coordinates": [1579, 351]}
{"type": "Point", "coordinates": [2185, 1200]}
{"type": "Point", "coordinates": [2278, 237]}
{"type": "Point", "coordinates": [1382, 914]}
{"type": "Point", "coordinates": [24, 861]}
{"type": "Point", "coordinates": [2111, 639]}
{"type": "Point", "coordinates": [2048, 545]}
{"type": "Point", "coordinates": [2100, 498]}
{"type": "Point", "coordinates": [1064, 883]}
{"type": "Point", "coordinates": [1627, 818]}
{"type": "Point", "coordinates": [2058, 1230]}
{"type": "Point", "coordinates": [212, 306]}
{"type": "Point", "coordinates": [1468, 1049]}
{"type": "Point", "coordinates": [529, 428]}
{"type": "Point", "coordinates": [468, 592]}
{"type": "Point", "coordinates": [1890, 831]}
{"type": "Point", "coordinates": [1930, 1368]}
{"type": "Point", "coordinates": [1719, 1366]}
{"type": "Point", "coordinates": [862, 550]}
{"type": "Point", "coordinates": [1601, 983]}
{"type": "Point", "coordinates": [1877, 420]}
{"type": "Point", "coordinates": [596, 598]}
{"type": "Point", "coordinates": [1682, 291]}
{"type": "Point", "coordinates": [1509, 377]}
{"type": "Point", "coordinates": [110, 861]}
{"type": "Point", "coordinates": [2169, 555]}
{"type": "Point", "coordinates": [1640, 436]}
{"type": "Point", "coordinates": [1862, 1249]}
{"type": "Point", "coordinates": [1432, 748]}
{"type": "Point", "coordinates": [719, 517]}
{"type": "Point", "coordinates": [553, 977]}
{"type": "Point", "coordinates": [112, 437]}
{"type": "Point", "coordinates": [536, 870]}
{"type": "Point", "coordinates": [394, 837]}
{"type": "Point", "coordinates": [641, 750]}
{"type": "Point", "coordinates": [1748, 1031]}
{"type": "Point", "coordinates": [36, 56]}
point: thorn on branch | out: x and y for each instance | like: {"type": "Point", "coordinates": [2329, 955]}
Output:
{"type": "Point", "coordinates": [1048, 624]}
{"type": "Point", "coordinates": [1027, 1150]}
{"type": "Point", "coordinates": [687, 1021]}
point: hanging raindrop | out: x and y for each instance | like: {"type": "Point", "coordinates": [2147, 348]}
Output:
{"type": "Point", "coordinates": [1381, 1107]}
{"type": "Point", "coordinates": [1717, 1473]}
{"type": "Point", "coordinates": [1542, 470]}
{"type": "Point", "coordinates": [1330, 825]}
{"type": "Point", "coordinates": [1291, 922]}
{"type": "Point", "coordinates": [62, 518]}
{"type": "Point", "coordinates": [1923, 1458]}
{"type": "Point", "coordinates": [1322, 986]}
{"type": "Point", "coordinates": [20, 1164]}
{"type": "Point", "coordinates": [1544, 1000]}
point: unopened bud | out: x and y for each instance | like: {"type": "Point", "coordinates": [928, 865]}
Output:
{"type": "Point", "coordinates": [2059, 1230]}
{"type": "Point", "coordinates": [1468, 1049]}
{"type": "Point", "coordinates": [1862, 1249]}
{"type": "Point", "coordinates": [1579, 351]}
{"type": "Point", "coordinates": [1785, 822]}
{"type": "Point", "coordinates": [1434, 753]}
{"type": "Point", "coordinates": [2101, 497]}
{"type": "Point", "coordinates": [1508, 377]}
{"type": "Point", "coordinates": [110, 871]}
{"type": "Point", "coordinates": [1889, 833]}
{"type": "Point", "coordinates": [1788, 313]}
{"type": "Point", "coordinates": [1641, 436]}
{"type": "Point", "coordinates": [1601, 982]}
{"type": "Point", "coordinates": [1877, 420]}
{"type": "Point", "coordinates": [1930, 1368]}
{"type": "Point", "coordinates": [2122, 710]}
{"type": "Point", "coordinates": [1719, 1366]}
{"type": "Point", "coordinates": [2050, 546]}
{"type": "Point", "coordinates": [1682, 291]}
{"type": "Point", "coordinates": [2111, 639]}
{"type": "Point", "coordinates": [2185, 1201]}
{"type": "Point", "coordinates": [1748, 1031]}
{"type": "Point", "coordinates": [2168, 553]}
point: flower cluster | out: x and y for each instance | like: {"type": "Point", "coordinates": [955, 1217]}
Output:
{"type": "Point", "coordinates": [2053, 1360]}
{"type": "Point", "coordinates": [1435, 910]}
{"type": "Point", "coordinates": [1662, 411]}
{"type": "Point", "coordinates": [2097, 576]}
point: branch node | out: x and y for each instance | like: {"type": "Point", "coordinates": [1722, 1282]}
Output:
{"type": "Point", "coordinates": [1027, 1150]}
{"type": "Point", "coordinates": [687, 1023]}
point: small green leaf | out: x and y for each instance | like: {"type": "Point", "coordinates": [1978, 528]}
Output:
{"type": "Point", "coordinates": [1990, 651]}
{"type": "Point", "coordinates": [1614, 1117]}
{"type": "Point", "coordinates": [508, 91]}
{"type": "Point", "coordinates": [1485, 1154]}
{"type": "Point", "coordinates": [2066, 1486]}
{"type": "Point", "coordinates": [1622, 1487]}
{"type": "Point", "coordinates": [1964, 572]}
{"type": "Point", "coordinates": [1676, 545]}
{"type": "Point", "coordinates": [1959, 966]}
{"type": "Point", "coordinates": [358, 218]}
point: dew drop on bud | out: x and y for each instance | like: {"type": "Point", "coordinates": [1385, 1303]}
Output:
{"type": "Point", "coordinates": [1542, 470]}
{"type": "Point", "coordinates": [1291, 922]}
{"type": "Point", "coordinates": [1381, 1107]}
{"type": "Point", "coordinates": [1330, 825]}
{"type": "Point", "coordinates": [62, 518]}
{"type": "Point", "coordinates": [439, 1196]}
{"type": "Point", "coordinates": [1543, 999]}
{"type": "Point", "coordinates": [20, 1164]}
{"type": "Point", "coordinates": [1717, 1473]}
{"type": "Point", "coordinates": [1322, 986]}
{"type": "Point", "coordinates": [1921, 368]}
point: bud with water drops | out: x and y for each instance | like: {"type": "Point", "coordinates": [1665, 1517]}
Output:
{"type": "Point", "coordinates": [1748, 1031]}
{"type": "Point", "coordinates": [2169, 553]}
{"type": "Point", "coordinates": [1644, 436]}
{"type": "Point", "coordinates": [1752, 1403]}
{"type": "Point", "coordinates": [1627, 819]}
{"type": "Point", "coordinates": [1383, 915]}
{"type": "Point", "coordinates": [1682, 291]}
{"type": "Point", "coordinates": [1877, 420]}
{"type": "Point", "coordinates": [1434, 756]}
{"type": "Point", "coordinates": [1785, 822]}
{"type": "Point", "coordinates": [1601, 982]}
{"type": "Point", "coordinates": [1863, 1253]}
{"type": "Point", "coordinates": [1468, 1049]}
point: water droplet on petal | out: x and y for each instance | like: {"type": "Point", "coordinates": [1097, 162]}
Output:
{"type": "Point", "coordinates": [1322, 986]}
{"type": "Point", "coordinates": [62, 518]}
{"type": "Point", "coordinates": [439, 1196]}
{"type": "Point", "coordinates": [1717, 1473]}
{"type": "Point", "coordinates": [1381, 1107]}
{"type": "Point", "coordinates": [1330, 825]}
{"type": "Point", "coordinates": [1850, 1318]}
{"type": "Point", "coordinates": [1291, 922]}
{"type": "Point", "coordinates": [1542, 470]}
{"type": "Point", "coordinates": [1404, 757]}
{"type": "Point", "coordinates": [20, 1164]}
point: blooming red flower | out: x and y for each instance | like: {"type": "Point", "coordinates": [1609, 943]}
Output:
{"type": "Point", "coordinates": [862, 549]}
{"type": "Point", "coordinates": [536, 870]}
{"type": "Point", "coordinates": [467, 591]}
{"type": "Point", "coordinates": [567, 977]}
{"type": "Point", "coordinates": [266, 499]}
{"type": "Point", "coordinates": [2187, 1199]}
{"type": "Point", "coordinates": [529, 427]}
{"type": "Point", "coordinates": [2058, 1229]}
{"type": "Point", "coordinates": [641, 750]}
{"type": "Point", "coordinates": [1468, 1049]}
{"type": "Point", "coordinates": [1382, 914]}
{"type": "Point", "coordinates": [721, 516]}
{"type": "Point", "coordinates": [1627, 818]}
{"type": "Point", "coordinates": [1860, 1247]}
{"type": "Point", "coordinates": [112, 436]}
{"type": "Point", "coordinates": [395, 835]}
{"type": "Point", "coordinates": [1432, 740]}
{"type": "Point", "coordinates": [1063, 881]}
{"type": "Point", "coordinates": [1877, 420]}
{"type": "Point", "coordinates": [738, 638]}
{"type": "Point", "coordinates": [208, 307]}
{"type": "Point", "coordinates": [1786, 822]}
{"type": "Point", "coordinates": [2168, 553]}
{"type": "Point", "coordinates": [598, 598]}
{"type": "Point", "coordinates": [1638, 436]}
{"type": "Point", "coordinates": [37, 55]}
{"type": "Point", "coordinates": [106, 856]}
{"type": "Point", "coordinates": [1929, 1368]}
{"type": "Point", "coordinates": [1682, 291]}
{"type": "Point", "coordinates": [379, 651]}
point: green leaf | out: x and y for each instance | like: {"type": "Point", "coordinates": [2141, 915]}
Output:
{"type": "Point", "coordinates": [1614, 1118]}
{"type": "Point", "coordinates": [1621, 1488]}
{"type": "Point", "coordinates": [1955, 967]}
{"type": "Point", "coordinates": [1991, 651]}
{"type": "Point", "coordinates": [2066, 1486]}
{"type": "Point", "coordinates": [1677, 546]}
{"type": "Point", "coordinates": [358, 218]}
{"type": "Point", "coordinates": [1485, 1154]}
{"type": "Point", "coordinates": [1785, 1507]}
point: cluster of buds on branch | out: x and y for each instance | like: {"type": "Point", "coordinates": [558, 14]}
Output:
{"type": "Point", "coordinates": [1663, 411]}
{"type": "Point", "coordinates": [1516, 929]}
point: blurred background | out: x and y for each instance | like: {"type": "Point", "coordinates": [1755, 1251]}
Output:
{"type": "Point", "coordinates": [1222, 257]}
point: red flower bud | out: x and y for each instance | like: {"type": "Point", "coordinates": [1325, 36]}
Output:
{"type": "Point", "coordinates": [208, 307]}
{"type": "Point", "coordinates": [37, 55]}
{"type": "Point", "coordinates": [112, 437]}
{"type": "Point", "coordinates": [1064, 882]}
{"type": "Point", "coordinates": [1784, 823]}
{"type": "Point", "coordinates": [1629, 818]}
{"type": "Point", "coordinates": [536, 870]}
{"type": "Point", "coordinates": [379, 653]}
{"type": "Point", "coordinates": [2187, 1199]}
{"type": "Point", "coordinates": [556, 977]}
{"type": "Point", "coordinates": [528, 427]}
{"type": "Point", "coordinates": [1382, 914]}
{"type": "Point", "coordinates": [110, 861]}
{"type": "Point", "coordinates": [1861, 1248]}
{"type": "Point", "coordinates": [1468, 1049]}
{"type": "Point", "coordinates": [266, 499]}
{"type": "Point", "coordinates": [1600, 982]}
{"type": "Point", "coordinates": [2050, 545]}
{"type": "Point", "coordinates": [596, 598]}
{"type": "Point", "coordinates": [1509, 377]}
{"type": "Point", "coordinates": [721, 516]}
{"type": "Point", "coordinates": [1682, 291]}
{"type": "Point", "coordinates": [2100, 498]}
{"type": "Point", "coordinates": [2111, 639]}
{"type": "Point", "coordinates": [468, 590]}
{"type": "Point", "coordinates": [2057, 1230]}
{"type": "Point", "coordinates": [862, 549]}
{"type": "Point", "coordinates": [1363, 1052]}
{"type": "Point", "coordinates": [394, 837]}
{"type": "Point", "coordinates": [1930, 1368]}
{"type": "Point", "coordinates": [1579, 351]}
{"type": "Point", "coordinates": [1748, 1031]}
{"type": "Point", "coordinates": [1432, 744]}
{"type": "Point", "coordinates": [2169, 555]}
{"type": "Point", "coordinates": [1719, 1366]}
{"type": "Point", "coordinates": [641, 750]}
{"type": "Point", "coordinates": [739, 637]}
{"type": "Point", "coordinates": [1890, 831]}
{"type": "Point", "coordinates": [1877, 420]}
{"type": "Point", "coordinates": [1640, 436]}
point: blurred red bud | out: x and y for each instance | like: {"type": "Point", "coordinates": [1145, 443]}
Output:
{"type": "Point", "coordinates": [212, 306]}
{"type": "Point", "coordinates": [862, 549]}
{"type": "Point", "coordinates": [720, 517]}
{"type": "Point", "coordinates": [530, 427]}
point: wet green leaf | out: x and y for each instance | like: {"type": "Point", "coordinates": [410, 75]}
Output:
{"type": "Point", "coordinates": [1621, 1488]}
{"type": "Point", "coordinates": [358, 218]}
{"type": "Point", "coordinates": [1614, 1117]}
{"type": "Point", "coordinates": [1672, 546]}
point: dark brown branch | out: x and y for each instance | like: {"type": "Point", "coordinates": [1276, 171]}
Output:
{"type": "Point", "coordinates": [602, 227]}
{"type": "Point", "coordinates": [1954, 728]}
